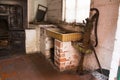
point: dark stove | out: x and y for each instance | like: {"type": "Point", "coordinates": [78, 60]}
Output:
{"type": "Point", "coordinates": [13, 21]}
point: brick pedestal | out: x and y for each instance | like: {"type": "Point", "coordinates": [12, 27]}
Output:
{"type": "Point", "coordinates": [66, 56]}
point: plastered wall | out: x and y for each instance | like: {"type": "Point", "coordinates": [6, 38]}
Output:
{"type": "Point", "coordinates": [116, 53]}
{"type": "Point", "coordinates": [119, 62]}
{"type": "Point", "coordinates": [32, 8]}
{"type": "Point", "coordinates": [106, 33]}
{"type": "Point", "coordinates": [31, 41]}
{"type": "Point", "coordinates": [106, 29]}
{"type": "Point", "coordinates": [54, 13]}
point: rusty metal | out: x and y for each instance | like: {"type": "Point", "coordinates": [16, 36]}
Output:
{"type": "Point", "coordinates": [85, 45]}
{"type": "Point", "coordinates": [80, 67]}
{"type": "Point", "coordinates": [98, 61]}
{"type": "Point", "coordinates": [13, 21]}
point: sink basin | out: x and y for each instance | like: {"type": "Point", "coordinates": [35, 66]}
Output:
{"type": "Point", "coordinates": [63, 35]}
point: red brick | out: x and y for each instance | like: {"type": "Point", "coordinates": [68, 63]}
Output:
{"type": "Point", "coordinates": [62, 59]}
{"type": "Point", "coordinates": [75, 56]}
{"type": "Point", "coordinates": [68, 67]}
{"type": "Point", "coordinates": [62, 54]}
{"type": "Point", "coordinates": [58, 43]}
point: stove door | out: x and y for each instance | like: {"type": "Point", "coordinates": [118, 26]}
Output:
{"type": "Point", "coordinates": [16, 18]}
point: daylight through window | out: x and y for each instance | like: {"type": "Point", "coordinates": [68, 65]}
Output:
{"type": "Point", "coordinates": [75, 10]}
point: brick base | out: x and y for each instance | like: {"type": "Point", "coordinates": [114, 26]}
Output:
{"type": "Point", "coordinates": [66, 56]}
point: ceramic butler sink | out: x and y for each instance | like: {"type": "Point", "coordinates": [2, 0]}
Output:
{"type": "Point", "coordinates": [63, 35]}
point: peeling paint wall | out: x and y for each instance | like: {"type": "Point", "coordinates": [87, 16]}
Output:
{"type": "Point", "coordinates": [106, 29]}
{"type": "Point", "coordinates": [32, 8]}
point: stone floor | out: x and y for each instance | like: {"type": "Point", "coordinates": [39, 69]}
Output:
{"type": "Point", "coordinates": [33, 67]}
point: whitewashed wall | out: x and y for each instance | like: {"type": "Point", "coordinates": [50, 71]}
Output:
{"type": "Point", "coordinates": [32, 8]}
{"type": "Point", "coordinates": [31, 40]}
{"type": "Point", "coordinates": [106, 29]}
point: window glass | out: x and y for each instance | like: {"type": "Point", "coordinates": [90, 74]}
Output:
{"type": "Point", "coordinates": [75, 10]}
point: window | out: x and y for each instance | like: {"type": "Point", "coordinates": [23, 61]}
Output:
{"type": "Point", "coordinates": [75, 10]}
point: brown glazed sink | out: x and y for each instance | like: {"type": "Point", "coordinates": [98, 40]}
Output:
{"type": "Point", "coordinates": [63, 35]}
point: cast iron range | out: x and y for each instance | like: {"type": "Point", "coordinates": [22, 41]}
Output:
{"type": "Point", "coordinates": [12, 25]}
